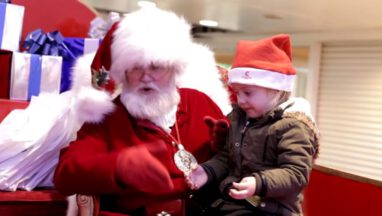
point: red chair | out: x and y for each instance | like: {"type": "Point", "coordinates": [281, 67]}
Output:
{"type": "Point", "coordinates": [90, 206]}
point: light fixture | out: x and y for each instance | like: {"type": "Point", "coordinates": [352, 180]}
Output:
{"type": "Point", "coordinates": [146, 4]}
{"type": "Point", "coordinates": [209, 23]}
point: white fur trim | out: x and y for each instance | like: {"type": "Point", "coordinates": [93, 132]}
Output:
{"type": "Point", "coordinates": [299, 105]}
{"type": "Point", "coordinates": [90, 105]}
{"type": "Point", "coordinates": [81, 73]}
{"type": "Point", "coordinates": [146, 36]}
{"type": "Point", "coordinates": [202, 74]}
{"type": "Point", "coordinates": [265, 78]}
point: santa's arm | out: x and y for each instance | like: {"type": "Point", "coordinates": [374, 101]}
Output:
{"type": "Point", "coordinates": [87, 167]}
{"type": "Point", "coordinates": [86, 164]}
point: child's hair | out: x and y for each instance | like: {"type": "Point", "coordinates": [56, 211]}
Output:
{"type": "Point", "coordinates": [284, 96]}
{"type": "Point", "coordinates": [279, 98]}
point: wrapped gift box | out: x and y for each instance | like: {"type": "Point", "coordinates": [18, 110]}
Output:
{"type": "Point", "coordinates": [78, 47]}
{"type": "Point", "coordinates": [32, 74]}
{"type": "Point", "coordinates": [11, 22]}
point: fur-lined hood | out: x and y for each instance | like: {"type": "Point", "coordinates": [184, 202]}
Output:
{"type": "Point", "coordinates": [299, 108]}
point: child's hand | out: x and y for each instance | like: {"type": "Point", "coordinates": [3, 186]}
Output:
{"type": "Point", "coordinates": [196, 178]}
{"type": "Point", "coordinates": [244, 189]}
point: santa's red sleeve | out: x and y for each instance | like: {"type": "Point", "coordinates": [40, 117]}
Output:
{"type": "Point", "coordinates": [81, 163]}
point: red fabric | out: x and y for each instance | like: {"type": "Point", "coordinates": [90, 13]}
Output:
{"type": "Point", "coordinates": [88, 166]}
{"type": "Point", "coordinates": [6, 106]}
{"type": "Point", "coordinates": [35, 195]}
{"type": "Point", "coordinates": [5, 73]}
{"type": "Point", "coordinates": [272, 54]}
{"type": "Point", "coordinates": [53, 15]}
{"type": "Point", "coordinates": [37, 208]}
{"type": "Point", "coordinates": [107, 213]}
{"type": "Point", "coordinates": [102, 59]}
{"type": "Point", "coordinates": [142, 159]}
{"type": "Point", "coordinates": [173, 207]}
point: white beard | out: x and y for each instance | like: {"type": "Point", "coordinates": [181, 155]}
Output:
{"type": "Point", "coordinates": [158, 107]}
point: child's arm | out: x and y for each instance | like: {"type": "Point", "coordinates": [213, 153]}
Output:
{"type": "Point", "coordinates": [210, 171]}
{"type": "Point", "coordinates": [202, 174]}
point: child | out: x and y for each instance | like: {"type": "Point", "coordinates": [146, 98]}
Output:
{"type": "Point", "coordinates": [272, 142]}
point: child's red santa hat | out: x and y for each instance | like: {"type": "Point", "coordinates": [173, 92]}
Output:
{"type": "Point", "coordinates": [143, 37]}
{"type": "Point", "coordinates": [266, 63]}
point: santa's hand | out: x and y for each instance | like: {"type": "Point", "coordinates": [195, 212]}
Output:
{"type": "Point", "coordinates": [244, 189]}
{"type": "Point", "coordinates": [137, 168]}
{"type": "Point", "coordinates": [218, 130]}
{"type": "Point", "coordinates": [196, 178]}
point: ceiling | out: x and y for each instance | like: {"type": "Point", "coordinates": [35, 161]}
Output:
{"type": "Point", "coordinates": [263, 17]}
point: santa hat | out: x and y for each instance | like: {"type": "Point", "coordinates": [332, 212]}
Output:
{"type": "Point", "coordinates": [266, 63]}
{"type": "Point", "coordinates": [143, 37]}
{"type": "Point", "coordinates": [203, 75]}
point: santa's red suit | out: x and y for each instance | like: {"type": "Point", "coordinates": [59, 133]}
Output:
{"type": "Point", "coordinates": [89, 165]}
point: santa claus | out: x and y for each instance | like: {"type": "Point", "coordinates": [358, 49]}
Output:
{"type": "Point", "coordinates": [135, 149]}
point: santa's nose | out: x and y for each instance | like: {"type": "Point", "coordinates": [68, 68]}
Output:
{"type": "Point", "coordinates": [146, 77]}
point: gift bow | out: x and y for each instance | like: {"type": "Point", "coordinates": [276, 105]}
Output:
{"type": "Point", "coordinates": [52, 43]}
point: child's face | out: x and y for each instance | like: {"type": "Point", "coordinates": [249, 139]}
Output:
{"type": "Point", "coordinates": [254, 100]}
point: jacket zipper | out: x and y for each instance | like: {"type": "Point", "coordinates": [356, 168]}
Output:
{"type": "Point", "coordinates": [241, 144]}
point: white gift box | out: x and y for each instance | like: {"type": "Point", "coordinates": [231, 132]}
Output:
{"type": "Point", "coordinates": [34, 74]}
{"type": "Point", "coordinates": [11, 22]}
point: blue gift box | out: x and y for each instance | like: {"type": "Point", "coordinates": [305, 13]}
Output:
{"type": "Point", "coordinates": [32, 74]}
{"type": "Point", "coordinates": [78, 47]}
{"type": "Point", "coordinates": [54, 44]}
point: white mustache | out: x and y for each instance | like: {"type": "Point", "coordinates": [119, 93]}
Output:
{"type": "Point", "coordinates": [148, 85]}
